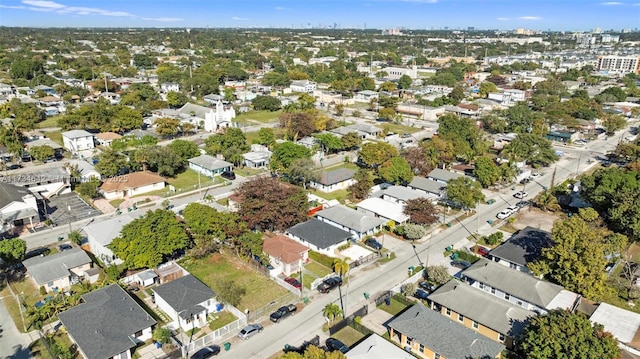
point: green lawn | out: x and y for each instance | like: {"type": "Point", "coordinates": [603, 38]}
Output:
{"type": "Point", "coordinates": [259, 116]}
{"type": "Point", "coordinates": [351, 166]}
{"type": "Point", "coordinates": [397, 128]}
{"type": "Point", "coordinates": [317, 269]}
{"type": "Point", "coordinates": [223, 318]}
{"type": "Point", "coordinates": [116, 202]}
{"type": "Point", "coordinates": [245, 172]}
{"type": "Point", "coordinates": [55, 136]}
{"type": "Point", "coordinates": [51, 121]}
{"type": "Point", "coordinates": [394, 308]}
{"type": "Point", "coordinates": [340, 195]}
{"type": "Point", "coordinates": [348, 335]}
{"type": "Point", "coordinates": [186, 181]}
{"type": "Point", "coordinates": [27, 291]}
{"type": "Point", "coordinates": [260, 290]}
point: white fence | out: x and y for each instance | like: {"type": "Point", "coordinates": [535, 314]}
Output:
{"type": "Point", "coordinates": [219, 334]}
{"type": "Point", "coordinates": [319, 281]}
{"type": "Point", "coordinates": [287, 286]}
{"type": "Point", "coordinates": [413, 279]}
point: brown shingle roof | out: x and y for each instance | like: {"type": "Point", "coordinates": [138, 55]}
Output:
{"type": "Point", "coordinates": [287, 250]}
{"type": "Point", "coordinates": [131, 180]}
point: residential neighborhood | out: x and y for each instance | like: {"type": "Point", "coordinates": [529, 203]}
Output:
{"type": "Point", "coordinates": [319, 192]}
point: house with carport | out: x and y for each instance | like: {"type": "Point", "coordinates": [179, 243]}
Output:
{"type": "Point", "coordinates": [258, 157]}
{"type": "Point", "coordinates": [131, 184]}
{"type": "Point", "coordinates": [209, 166]}
{"type": "Point", "coordinates": [58, 271]}
{"type": "Point", "coordinates": [352, 221]}
{"type": "Point", "coordinates": [109, 324]}
{"type": "Point", "coordinates": [400, 194]}
{"type": "Point", "coordinates": [187, 301]}
{"type": "Point", "coordinates": [319, 236]}
{"type": "Point", "coordinates": [285, 254]}
{"type": "Point", "coordinates": [429, 187]}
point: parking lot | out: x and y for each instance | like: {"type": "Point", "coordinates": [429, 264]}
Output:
{"type": "Point", "coordinates": [59, 213]}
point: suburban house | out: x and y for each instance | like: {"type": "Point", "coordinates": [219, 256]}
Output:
{"type": "Point", "coordinates": [209, 165]}
{"type": "Point", "coordinates": [285, 254]}
{"type": "Point", "coordinates": [399, 194]}
{"type": "Point", "coordinates": [334, 180]}
{"type": "Point", "coordinates": [366, 96]}
{"type": "Point", "coordinates": [17, 204]}
{"type": "Point", "coordinates": [319, 236]}
{"type": "Point", "coordinates": [209, 118]}
{"type": "Point", "coordinates": [365, 131]}
{"type": "Point", "coordinates": [428, 186]}
{"type": "Point", "coordinates": [108, 325]}
{"type": "Point", "coordinates": [187, 301]}
{"type": "Point", "coordinates": [563, 136]}
{"type": "Point", "coordinates": [427, 334]}
{"type": "Point", "coordinates": [258, 157]}
{"type": "Point", "coordinates": [302, 86]}
{"type": "Point", "coordinates": [57, 272]}
{"type": "Point", "coordinates": [131, 184]}
{"type": "Point", "coordinates": [522, 248]}
{"type": "Point", "coordinates": [425, 113]}
{"type": "Point", "coordinates": [100, 235]}
{"type": "Point", "coordinates": [77, 140]}
{"type": "Point", "coordinates": [87, 170]}
{"type": "Point", "coordinates": [378, 207]}
{"type": "Point", "coordinates": [355, 222]}
{"type": "Point", "coordinates": [622, 323]}
{"type": "Point", "coordinates": [502, 140]}
{"type": "Point", "coordinates": [167, 87]}
{"type": "Point", "coordinates": [493, 317]}
{"type": "Point", "coordinates": [376, 347]}
{"type": "Point", "coordinates": [57, 149]}
{"type": "Point", "coordinates": [105, 138]}
{"type": "Point", "coordinates": [442, 176]}
{"type": "Point", "coordinates": [517, 287]}
{"type": "Point", "coordinates": [44, 182]}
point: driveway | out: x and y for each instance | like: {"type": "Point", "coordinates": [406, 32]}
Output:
{"type": "Point", "coordinates": [13, 344]}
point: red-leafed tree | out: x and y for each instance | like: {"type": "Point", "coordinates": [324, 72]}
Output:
{"type": "Point", "coordinates": [421, 211]}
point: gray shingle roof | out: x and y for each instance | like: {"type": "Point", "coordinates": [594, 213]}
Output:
{"type": "Point", "coordinates": [318, 233]}
{"type": "Point", "coordinates": [329, 178]}
{"type": "Point", "coordinates": [56, 266]}
{"type": "Point", "coordinates": [513, 282]}
{"type": "Point", "coordinates": [209, 162]}
{"type": "Point", "coordinates": [350, 218]}
{"type": "Point", "coordinates": [524, 247]}
{"type": "Point", "coordinates": [486, 309]}
{"type": "Point", "coordinates": [442, 335]}
{"type": "Point", "coordinates": [185, 294]}
{"type": "Point", "coordinates": [102, 325]}
{"type": "Point", "coordinates": [402, 193]}
{"type": "Point", "coordinates": [427, 185]}
{"type": "Point", "coordinates": [443, 175]}
{"type": "Point", "coordinates": [10, 193]}
{"type": "Point", "coordinates": [197, 110]}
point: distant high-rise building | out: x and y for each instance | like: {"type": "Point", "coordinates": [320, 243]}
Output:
{"type": "Point", "coordinates": [621, 65]}
{"type": "Point", "coordinates": [597, 30]}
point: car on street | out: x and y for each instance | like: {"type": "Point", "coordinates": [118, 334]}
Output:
{"type": "Point", "coordinates": [328, 284]}
{"type": "Point", "coordinates": [513, 209]}
{"type": "Point", "coordinates": [64, 246]}
{"type": "Point", "coordinates": [371, 242]}
{"type": "Point", "coordinates": [229, 175]}
{"type": "Point", "coordinates": [283, 312]}
{"type": "Point", "coordinates": [526, 180]}
{"type": "Point", "coordinates": [520, 194]}
{"type": "Point", "coordinates": [249, 331]}
{"type": "Point", "coordinates": [421, 294]}
{"type": "Point", "coordinates": [459, 263]}
{"type": "Point", "coordinates": [206, 352]}
{"type": "Point", "coordinates": [503, 214]}
{"type": "Point", "coordinates": [294, 282]}
{"type": "Point", "coordinates": [13, 166]}
{"type": "Point", "coordinates": [334, 344]}
{"type": "Point", "coordinates": [50, 159]}
{"type": "Point", "coordinates": [523, 204]}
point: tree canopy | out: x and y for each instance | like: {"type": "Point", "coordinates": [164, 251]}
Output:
{"type": "Point", "coordinates": [421, 211]}
{"type": "Point", "coordinates": [396, 170]}
{"type": "Point", "coordinates": [465, 192]}
{"type": "Point", "coordinates": [12, 250]}
{"type": "Point", "coordinates": [374, 154]}
{"type": "Point", "coordinates": [533, 149]}
{"type": "Point", "coordinates": [285, 153]}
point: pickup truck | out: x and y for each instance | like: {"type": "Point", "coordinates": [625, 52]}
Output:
{"type": "Point", "coordinates": [283, 312]}
{"type": "Point", "coordinates": [328, 284]}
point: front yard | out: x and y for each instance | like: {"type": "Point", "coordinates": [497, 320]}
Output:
{"type": "Point", "coordinates": [348, 335]}
{"type": "Point", "coordinates": [26, 292]}
{"type": "Point", "coordinates": [260, 290]}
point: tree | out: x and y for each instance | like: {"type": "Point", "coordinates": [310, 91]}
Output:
{"type": "Point", "coordinates": [486, 171]}
{"type": "Point", "coordinates": [414, 231]}
{"type": "Point", "coordinates": [25, 68]}
{"type": "Point", "coordinates": [302, 171]}
{"type": "Point", "coordinates": [89, 188]}
{"type": "Point", "coordinates": [486, 88]}
{"type": "Point", "coordinates": [176, 99]}
{"type": "Point", "coordinates": [547, 201]}
{"type": "Point", "coordinates": [232, 143]}
{"type": "Point", "coordinates": [465, 192]}
{"type": "Point", "coordinates": [161, 335]}
{"type": "Point", "coordinates": [184, 149]}
{"type": "Point", "coordinates": [230, 292]}
{"type": "Point", "coordinates": [613, 123]}
{"type": "Point", "coordinates": [126, 119]}
{"type": "Point", "coordinates": [421, 211]}
{"type": "Point", "coordinates": [268, 204]}
{"type": "Point", "coordinates": [533, 149]}
{"type": "Point", "coordinates": [404, 82]}
{"type": "Point", "coordinates": [396, 171]}
{"type": "Point", "coordinates": [285, 153]}
{"type": "Point", "coordinates": [266, 103]}
{"type": "Point", "coordinates": [13, 250]}
{"type": "Point", "coordinates": [41, 153]}
{"type": "Point", "coordinates": [145, 242]}
{"type": "Point", "coordinates": [615, 91]}
{"type": "Point", "coordinates": [266, 137]}
{"type": "Point", "coordinates": [578, 255]}
{"type": "Point", "coordinates": [329, 143]}
{"type": "Point", "coordinates": [387, 113]}
{"type": "Point", "coordinates": [299, 124]}
{"type": "Point", "coordinates": [437, 274]}
{"type": "Point", "coordinates": [313, 352]}
{"type": "Point", "coordinates": [351, 141]}
{"type": "Point", "coordinates": [331, 312]}
{"type": "Point", "coordinates": [463, 134]}
{"type": "Point", "coordinates": [110, 163]}
{"type": "Point", "coordinates": [162, 160]}
{"type": "Point", "coordinates": [364, 182]}
{"type": "Point", "coordinates": [374, 154]}
{"type": "Point", "coordinates": [167, 127]}
{"type": "Point", "coordinates": [75, 237]}
{"type": "Point", "coordinates": [562, 334]}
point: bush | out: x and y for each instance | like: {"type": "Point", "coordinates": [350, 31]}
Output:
{"type": "Point", "coordinates": [322, 259]}
{"type": "Point", "coordinates": [344, 246]}
{"type": "Point", "coordinates": [43, 291]}
{"type": "Point", "coordinates": [399, 230]}
{"type": "Point", "coordinates": [465, 256]}
{"type": "Point", "coordinates": [494, 238]}
{"type": "Point", "coordinates": [162, 335]}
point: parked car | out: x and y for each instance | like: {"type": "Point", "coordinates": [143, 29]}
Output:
{"type": "Point", "coordinates": [206, 352]}
{"type": "Point", "coordinates": [503, 214]}
{"type": "Point", "coordinates": [483, 251]}
{"type": "Point", "coordinates": [249, 331]}
{"type": "Point", "coordinates": [371, 242]}
{"type": "Point", "coordinates": [334, 344]}
{"type": "Point", "coordinates": [513, 209]}
{"type": "Point", "coordinates": [426, 286]}
{"type": "Point", "coordinates": [42, 251]}
{"type": "Point", "coordinates": [520, 194]}
{"type": "Point", "coordinates": [458, 263]}
{"type": "Point", "coordinates": [294, 282]}
{"type": "Point", "coordinates": [523, 204]}
{"type": "Point", "coordinates": [328, 284]}
{"type": "Point", "coordinates": [230, 175]}
{"type": "Point", "coordinates": [64, 247]}
{"type": "Point", "coordinates": [526, 180]}
{"type": "Point", "coordinates": [13, 166]}
{"type": "Point", "coordinates": [50, 159]}
{"type": "Point", "coordinates": [283, 312]}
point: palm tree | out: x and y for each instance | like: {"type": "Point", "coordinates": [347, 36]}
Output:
{"type": "Point", "coordinates": [341, 267]}
{"type": "Point", "coordinates": [75, 237]}
{"type": "Point", "coordinates": [332, 311]}
{"type": "Point", "coordinates": [547, 201]}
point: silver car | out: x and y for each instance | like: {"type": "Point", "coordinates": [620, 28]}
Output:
{"type": "Point", "coordinates": [249, 331]}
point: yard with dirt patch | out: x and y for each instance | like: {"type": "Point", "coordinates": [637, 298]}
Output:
{"type": "Point", "coordinates": [536, 218]}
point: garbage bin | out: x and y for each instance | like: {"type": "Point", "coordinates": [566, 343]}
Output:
{"type": "Point", "coordinates": [449, 224]}
{"type": "Point", "coordinates": [158, 345]}
{"type": "Point", "coordinates": [367, 295]}
{"type": "Point", "coordinates": [305, 300]}
{"type": "Point", "coordinates": [454, 256]}
{"type": "Point", "coordinates": [227, 346]}
{"type": "Point", "coordinates": [490, 221]}
{"type": "Point", "coordinates": [448, 249]}
{"type": "Point", "coordinates": [387, 300]}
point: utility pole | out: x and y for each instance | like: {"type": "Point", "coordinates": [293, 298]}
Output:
{"type": "Point", "coordinates": [69, 212]}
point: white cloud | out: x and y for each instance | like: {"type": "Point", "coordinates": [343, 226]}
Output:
{"type": "Point", "coordinates": [12, 7]}
{"type": "Point", "coordinates": [240, 18]}
{"type": "Point", "coordinates": [503, 19]}
{"type": "Point", "coordinates": [530, 18]}
{"type": "Point", "coordinates": [612, 3]}
{"type": "Point", "coordinates": [282, 8]}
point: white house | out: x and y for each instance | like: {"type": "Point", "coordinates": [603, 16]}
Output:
{"type": "Point", "coordinates": [330, 181]}
{"type": "Point", "coordinates": [357, 223]}
{"type": "Point", "coordinates": [366, 96]}
{"type": "Point", "coordinates": [285, 254]}
{"type": "Point", "coordinates": [100, 235]}
{"type": "Point", "coordinates": [87, 170]}
{"type": "Point", "coordinates": [131, 184]}
{"type": "Point", "coordinates": [17, 205]}
{"type": "Point", "coordinates": [77, 140]}
{"type": "Point", "coordinates": [258, 157]}
{"type": "Point", "coordinates": [169, 87]}
{"type": "Point", "coordinates": [109, 324]}
{"type": "Point", "coordinates": [57, 272]}
{"type": "Point", "coordinates": [209, 165]}
{"type": "Point", "coordinates": [302, 86]}
{"type": "Point", "coordinates": [378, 207]}
{"type": "Point", "coordinates": [187, 301]}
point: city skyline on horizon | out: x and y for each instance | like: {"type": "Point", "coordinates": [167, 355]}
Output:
{"type": "Point", "coordinates": [541, 15]}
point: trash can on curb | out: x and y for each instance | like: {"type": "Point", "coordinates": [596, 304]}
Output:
{"type": "Point", "coordinates": [227, 346]}
{"type": "Point", "coordinates": [387, 300]}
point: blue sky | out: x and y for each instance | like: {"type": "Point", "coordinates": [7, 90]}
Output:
{"type": "Point", "coordinates": [412, 14]}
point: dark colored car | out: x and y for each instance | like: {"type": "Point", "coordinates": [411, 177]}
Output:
{"type": "Point", "coordinates": [328, 284]}
{"type": "Point", "coordinates": [14, 166]}
{"type": "Point", "coordinates": [294, 282]}
{"type": "Point", "coordinates": [458, 263]}
{"type": "Point", "coordinates": [421, 294]}
{"type": "Point", "coordinates": [249, 331]}
{"type": "Point", "coordinates": [283, 312]}
{"type": "Point", "coordinates": [64, 247]}
{"type": "Point", "coordinates": [426, 286]}
{"type": "Point", "coordinates": [373, 244]}
{"type": "Point", "coordinates": [37, 252]}
{"type": "Point", "coordinates": [206, 352]}
{"type": "Point", "coordinates": [230, 175]}
{"type": "Point", "coordinates": [334, 344]}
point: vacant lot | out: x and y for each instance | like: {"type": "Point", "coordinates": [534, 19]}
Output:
{"type": "Point", "coordinates": [535, 218]}
{"type": "Point", "coordinates": [218, 267]}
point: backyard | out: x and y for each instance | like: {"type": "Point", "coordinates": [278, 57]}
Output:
{"type": "Point", "coordinates": [260, 290]}
{"type": "Point", "coordinates": [348, 335]}
{"type": "Point", "coordinates": [250, 118]}
{"type": "Point", "coordinates": [27, 292]}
